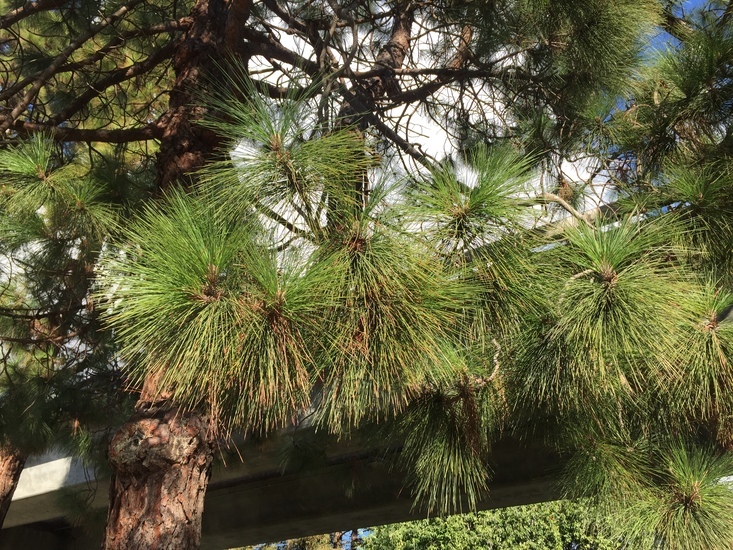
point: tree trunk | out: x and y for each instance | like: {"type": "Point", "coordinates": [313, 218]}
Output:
{"type": "Point", "coordinates": [161, 458]}
{"type": "Point", "coordinates": [11, 465]}
{"type": "Point", "coordinates": [216, 33]}
{"type": "Point", "coordinates": [161, 461]}
{"type": "Point", "coordinates": [355, 107]}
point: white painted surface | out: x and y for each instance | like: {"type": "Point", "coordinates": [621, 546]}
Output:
{"type": "Point", "coordinates": [51, 474]}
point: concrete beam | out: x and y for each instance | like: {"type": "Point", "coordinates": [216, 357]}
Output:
{"type": "Point", "coordinates": [254, 501]}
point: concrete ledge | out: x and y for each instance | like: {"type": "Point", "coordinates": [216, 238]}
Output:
{"type": "Point", "coordinates": [255, 501]}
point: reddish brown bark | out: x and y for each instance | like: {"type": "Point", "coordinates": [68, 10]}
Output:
{"type": "Point", "coordinates": [357, 110]}
{"type": "Point", "coordinates": [161, 458]}
{"type": "Point", "coordinates": [11, 465]}
{"type": "Point", "coordinates": [216, 29]}
{"type": "Point", "coordinates": [161, 462]}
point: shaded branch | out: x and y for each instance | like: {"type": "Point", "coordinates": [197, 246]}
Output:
{"type": "Point", "coordinates": [268, 47]}
{"type": "Point", "coordinates": [286, 17]}
{"type": "Point", "coordinates": [390, 58]}
{"type": "Point", "coordinates": [239, 11]}
{"type": "Point", "coordinates": [726, 14]}
{"type": "Point", "coordinates": [27, 9]}
{"type": "Point", "coordinates": [119, 135]}
{"type": "Point", "coordinates": [676, 26]}
{"type": "Point", "coordinates": [177, 25]}
{"type": "Point", "coordinates": [35, 315]}
{"type": "Point", "coordinates": [47, 73]}
{"type": "Point", "coordinates": [452, 71]}
{"type": "Point", "coordinates": [388, 64]}
{"type": "Point", "coordinates": [116, 77]}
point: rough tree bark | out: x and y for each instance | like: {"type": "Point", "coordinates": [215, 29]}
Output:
{"type": "Point", "coordinates": [358, 105]}
{"type": "Point", "coordinates": [11, 466]}
{"type": "Point", "coordinates": [161, 461]}
{"type": "Point", "coordinates": [161, 457]}
{"type": "Point", "coordinates": [215, 34]}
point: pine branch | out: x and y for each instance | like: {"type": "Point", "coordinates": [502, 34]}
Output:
{"type": "Point", "coordinates": [726, 14]}
{"type": "Point", "coordinates": [455, 67]}
{"type": "Point", "coordinates": [175, 25]}
{"type": "Point", "coordinates": [676, 26]}
{"type": "Point", "coordinates": [274, 216]}
{"type": "Point", "coordinates": [551, 197]}
{"type": "Point", "coordinates": [34, 314]}
{"type": "Point", "coordinates": [47, 73]}
{"type": "Point", "coordinates": [371, 118]}
{"type": "Point", "coordinates": [116, 77]}
{"type": "Point", "coordinates": [60, 133]}
{"type": "Point", "coordinates": [28, 9]}
{"type": "Point", "coordinates": [292, 21]}
{"type": "Point", "coordinates": [269, 48]}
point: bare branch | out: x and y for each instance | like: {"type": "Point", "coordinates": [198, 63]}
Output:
{"type": "Point", "coordinates": [268, 47]}
{"type": "Point", "coordinates": [551, 197]}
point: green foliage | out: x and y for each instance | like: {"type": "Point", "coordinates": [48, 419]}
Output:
{"type": "Point", "coordinates": [579, 54]}
{"type": "Point", "coordinates": [46, 200]}
{"type": "Point", "coordinates": [461, 215]}
{"type": "Point", "coordinates": [701, 197]}
{"type": "Point", "coordinates": [681, 102]}
{"type": "Point", "coordinates": [33, 43]}
{"type": "Point", "coordinates": [368, 312]}
{"type": "Point", "coordinates": [685, 505]}
{"type": "Point", "coordinates": [60, 381]}
{"type": "Point", "coordinates": [282, 165]}
{"type": "Point", "coordinates": [435, 307]}
{"type": "Point", "coordinates": [208, 310]}
{"type": "Point", "coordinates": [445, 300]}
{"type": "Point", "coordinates": [549, 526]}
{"type": "Point", "coordinates": [389, 336]}
{"type": "Point", "coordinates": [601, 344]}
{"type": "Point", "coordinates": [701, 375]}
{"type": "Point", "coordinates": [446, 448]}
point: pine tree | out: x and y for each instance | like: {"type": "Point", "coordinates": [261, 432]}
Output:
{"type": "Point", "coordinates": [59, 372]}
{"type": "Point", "coordinates": [303, 250]}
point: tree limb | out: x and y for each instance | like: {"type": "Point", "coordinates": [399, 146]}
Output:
{"type": "Point", "coordinates": [176, 25]}
{"type": "Point", "coordinates": [118, 135]}
{"type": "Point", "coordinates": [239, 11]}
{"type": "Point", "coordinates": [676, 26]}
{"type": "Point", "coordinates": [551, 197]}
{"type": "Point", "coordinates": [116, 77]}
{"type": "Point", "coordinates": [47, 73]}
{"type": "Point", "coordinates": [268, 47]}
{"type": "Point", "coordinates": [27, 9]}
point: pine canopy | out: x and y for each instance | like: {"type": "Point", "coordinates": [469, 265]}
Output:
{"type": "Point", "coordinates": [446, 222]}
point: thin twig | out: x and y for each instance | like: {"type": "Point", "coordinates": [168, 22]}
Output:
{"type": "Point", "coordinates": [551, 197]}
